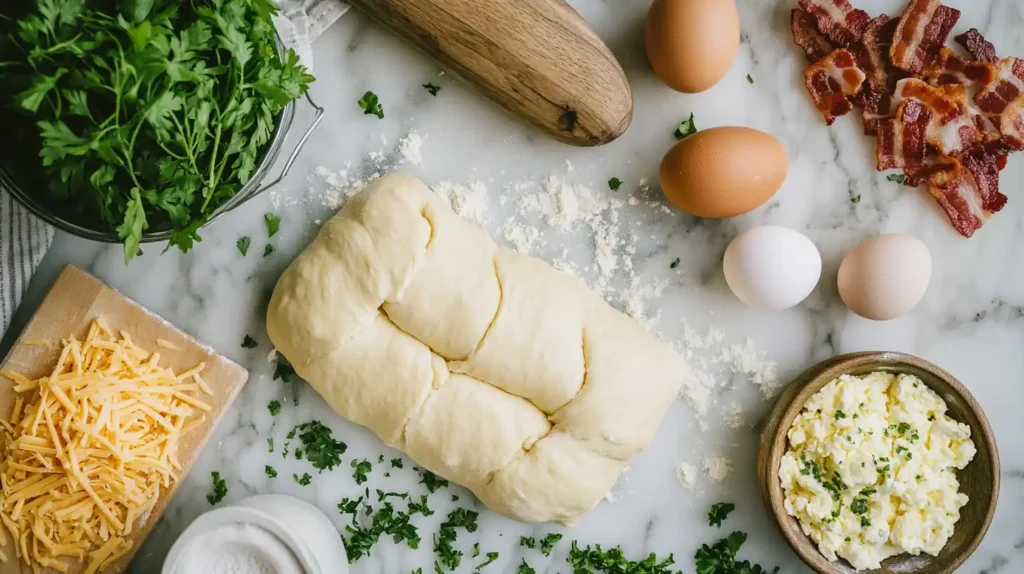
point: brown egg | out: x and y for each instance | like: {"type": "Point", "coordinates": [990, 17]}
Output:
{"type": "Point", "coordinates": [691, 43]}
{"type": "Point", "coordinates": [722, 172]}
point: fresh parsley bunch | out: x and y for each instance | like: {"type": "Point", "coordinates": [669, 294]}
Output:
{"type": "Point", "coordinates": [143, 113]}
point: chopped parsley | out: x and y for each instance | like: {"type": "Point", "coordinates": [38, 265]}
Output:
{"type": "Point", "coordinates": [865, 522]}
{"type": "Point", "coordinates": [902, 428]}
{"type": "Point", "coordinates": [359, 539]}
{"type": "Point", "coordinates": [547, 544]}
{"type": "Point", "coordinates": [432, 89]}
{"type": "Point", "coordinates": [674, 264]}
{"type": "Point", "coordinates": [686, 128]}
{"type": "Point", "coordinates": [322, 450]}
{"type": "Point", "coordinates": [525, 568]}
{"type": "Point", "coordinates": [360, 469]}
{"type": "Point", "coordinates": [720, 558]}
{"type": "Point", "coordinates": [859, 506]}
{"type": "Point", "coordinates": [491, 557]}
{"type": "Point", "coordinates": [719, 512]}
{"type": "Point", "coordinates": [382, 496]}
{"type": "Point", "coordinates": [283, 369]}
{"type": "Point", "coordinates": [420, 507]}
{"type": "Point", "coordinates": [614, 184]}
{"type": "Point", "coordinates": [271, 471]}
{"type": "Point", "coordinates": [444, 547]}
{"type": "Point", "coordinates": [476, 549]}
{"type": "Point", "coordinates": [302, 480]}
{"type": "Point", "coordinates": [220, 489]}
{"type": "Point", "coordinates": [371, 105]}
{"type": "Point", "coordinates": [432, 481]}
{"type": "Point", "coordinates": [274, 407]}
{"type": "Point", "coordinates": [268, 250]}
{"type": "Point", "coordinates": [749, 79]}
{"type": "Point", "coordinates": [248, 342]}
{"type": "Point", "coordinates": [243, 244]}
{"type": "Point", "coordinates": [396, 463]}
{"type": "Point", "coordinates": [270, 444]}
{"type": "Point", "coordinates": [840, 415]}
{"type": "Point", "coordinates": [273, 223]}
{"type": "Point", "coordinates": [614, 561]}
{"type": "Point", "coordinates": [855, 199]}
{"type": "Point", "coordinates": [896, 177]}
{"type": "Point", "coordinates": [527, 542]}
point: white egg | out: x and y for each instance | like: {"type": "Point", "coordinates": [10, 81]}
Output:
{"type": "Point", "coordinates": [771, 267]}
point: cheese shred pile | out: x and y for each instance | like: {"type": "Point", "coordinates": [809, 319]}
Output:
{"type": "Point", "coordinates": [88, 449]}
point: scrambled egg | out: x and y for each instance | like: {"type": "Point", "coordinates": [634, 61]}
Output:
{"type": "Point", "coordinates": [870, 470]}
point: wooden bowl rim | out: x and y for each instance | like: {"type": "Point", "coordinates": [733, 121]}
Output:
{"type": "Point", "coordinates": [772, 444]}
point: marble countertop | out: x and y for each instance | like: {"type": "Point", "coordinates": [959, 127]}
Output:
{"type": "Point", "coordinates": [971, 321]}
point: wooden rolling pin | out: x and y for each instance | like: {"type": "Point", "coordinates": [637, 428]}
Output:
{"type": "Point", "coordinates": [536, 58]}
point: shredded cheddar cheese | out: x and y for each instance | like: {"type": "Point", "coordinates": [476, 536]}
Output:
{"type": "Point", "coordinates": [89, 449]}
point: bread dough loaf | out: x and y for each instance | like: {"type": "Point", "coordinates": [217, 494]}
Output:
{"type": "Point", "coordinates": [488, 367]}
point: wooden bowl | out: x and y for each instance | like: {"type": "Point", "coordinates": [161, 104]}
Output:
{"type": "Point", "coordinates": [979, 479]}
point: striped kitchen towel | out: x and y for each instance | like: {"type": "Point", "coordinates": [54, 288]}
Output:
{"type": "Point", "coordinates": [24, 240]}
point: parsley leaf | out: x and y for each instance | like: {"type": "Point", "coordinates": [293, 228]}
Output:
{"type": "Point", "coordinates": [527, 542]}
{"type": "Point", "coordinates": [243, 244]}
{"type": "Point", "coordinates": [686, 128]}
{"type": "Point", "coordinates": [271, 471]}
{"type": "Point", "coordinates": [361, 468]}
{"type": "Point", "coordinates": [674, 264]}
{"type": "Point", "coordinates": [855, 199]}
{"type": "Point", "coordinates": [396, 463]}
{"type": "Point", "coordinates": [220, 489]}
{"type": "Point", "coordinates": [371, 105]}
{"type": "Point", "coordinates": [547, 544]}
{"type": "Point", "coordinates": [322, 450]}
{"type": "Point", "coordinates": [273, 223]}
{"type": "Point", "coordinates": [525, 568]}
{"type": "Point", "coordinates": [750, 79]}
{"type": "Point", "coordinates": [432, 481]}
{"type": "Point", "coordinates": [270, 444]}
{"type": "Point", "coordinates": [896, 177]}
{"type": "Point", "coordinates": [268, 250]}
{"type": "Point", "coordinates": [274, 407]}
{"type": "Point", "coordinates": [283, 369]}
{"type": "Point", "coordinates": [303, 480]}
{"type": "Point", "coordinates": [432, 89]}
{"type": "Point", "coordinates": [614, 183]}
{"type": "Point", "coordinates": [491, 557]}
{"type": "Point", "coordinates": [248, 342]}
{"type": "Point", "coordinates": [449, 557]}
{"type": "Point", "coordinates": [719, 512]}
{"type": "Point", "coordinates": [720, 557]}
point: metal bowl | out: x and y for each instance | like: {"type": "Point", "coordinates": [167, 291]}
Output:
{"type": "Point", "coordinates": [97, 230]}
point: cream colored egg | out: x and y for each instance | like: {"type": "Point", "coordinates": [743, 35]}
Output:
{"type": "Point", "coordinates": [885, 276]}
{"type": "Point", "coordinates": [771, 267]}
{"type": "Point", "coordinates": [691, 43]}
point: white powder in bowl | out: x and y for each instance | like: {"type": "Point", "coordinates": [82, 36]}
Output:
{"type": "Point", "coordinates": [238, 548]}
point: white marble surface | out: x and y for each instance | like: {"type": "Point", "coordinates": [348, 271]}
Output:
{"type": "Point", "coordinates": [971, 321]}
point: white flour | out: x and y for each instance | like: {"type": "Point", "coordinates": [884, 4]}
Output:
{"type": "Point", "coordinates": [468, 201]}
{"type": "Point", "coordinates": [238, 548]}
{"type": "Point", "coordinates": [409, 147]}
{"type": "Point", "coordinates": [717, 468]}
{"type": "Point", "coordinates": [686, 474]}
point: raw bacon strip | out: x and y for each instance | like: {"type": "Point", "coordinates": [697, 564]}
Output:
{"type": "Point", "coordinates": [921, 31]}
{"type": "Point", "coordinates": [832, 82]}
{"type": "Point", "coordinates": [950, 68]}
{"type": "Point", "coordinates": [901, 139]}
{"type": "Point", "coordinates": [840, 22]}
{"type": "Point", "coordinates": [806, 35]}
{"type": "Point", "coordinates": [1007, 87]}
{"type": "Point", "coordinates": [977, 46]}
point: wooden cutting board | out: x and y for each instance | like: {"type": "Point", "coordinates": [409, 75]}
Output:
{"type": "Point", "coordinates": [71, 305]}
{"type": "Point", "coordinates": [536, 58]}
